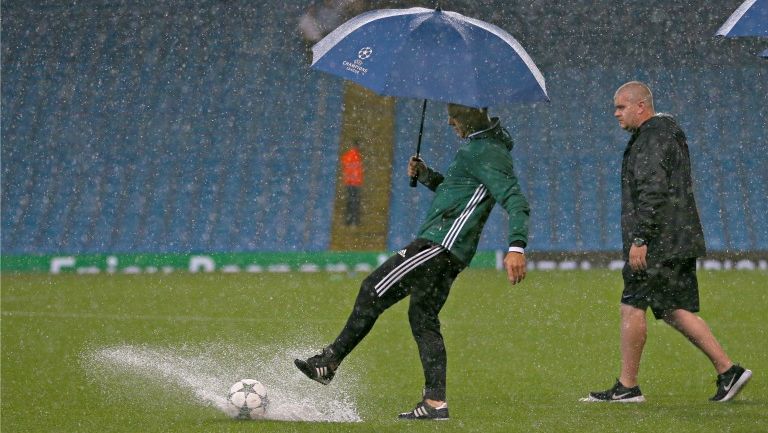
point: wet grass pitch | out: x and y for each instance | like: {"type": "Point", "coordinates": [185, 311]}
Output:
{"type": "Point", "coordinates": [156, 353]}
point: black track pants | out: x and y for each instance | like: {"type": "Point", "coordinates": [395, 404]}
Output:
{"type": "Point", "coordinates": [425, 271]}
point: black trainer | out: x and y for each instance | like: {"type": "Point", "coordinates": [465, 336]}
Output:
{"type": "Point", "coordinates": [426, 412]}
{"type": "Point", "coordinates": [320, 367]}
{"type": "Point", "coordinates": [618, 394]}
{"type": "Point", "coordinates": [731, 382]}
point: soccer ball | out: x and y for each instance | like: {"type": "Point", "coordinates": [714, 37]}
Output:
{"type": "Point", "coordinates": [247, 399]}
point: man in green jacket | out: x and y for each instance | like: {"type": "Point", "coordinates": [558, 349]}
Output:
{"type": "Point", "coordinates": [480, 176]}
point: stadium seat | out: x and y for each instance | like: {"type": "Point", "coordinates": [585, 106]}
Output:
{"type": "Point", "coordinates": [207, 131]}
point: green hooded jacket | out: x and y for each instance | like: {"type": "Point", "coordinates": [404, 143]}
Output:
{"type": "Point", "coordinates": [480, 176]}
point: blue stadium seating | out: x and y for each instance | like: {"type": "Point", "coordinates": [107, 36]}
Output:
{"type": "Point", "coordinates": [191, 134]}
{"type": "Point", "coordinates": [128, 129]}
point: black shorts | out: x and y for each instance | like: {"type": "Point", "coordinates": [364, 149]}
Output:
{"type": "Point", "coordinates": [665, 286]}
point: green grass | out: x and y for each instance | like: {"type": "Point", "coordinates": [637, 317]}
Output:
{"type": "Point", "coordinates": [519, 357]}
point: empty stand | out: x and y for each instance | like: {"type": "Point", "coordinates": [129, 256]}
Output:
{"type": "Point", "coordinates": [126, 128]}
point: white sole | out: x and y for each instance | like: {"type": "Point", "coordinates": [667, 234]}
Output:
{"type": "Point", "coordinates": [590, 399]}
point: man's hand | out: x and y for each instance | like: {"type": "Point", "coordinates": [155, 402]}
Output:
{"type": "Point", "coordinates": [415, 166]}
{"type": "Point", "coordinates": [514, 263]}
{"type": "Point", "coordinates": [637, 257]}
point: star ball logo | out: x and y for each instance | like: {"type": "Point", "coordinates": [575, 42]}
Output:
{"type": "Point", "coordinates": [357, 65]}
{"type": "Point", "coordinates": [364, 53]}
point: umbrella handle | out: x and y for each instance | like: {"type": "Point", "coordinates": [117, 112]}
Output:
{"type": "Point", "coordinates": [418, 143]}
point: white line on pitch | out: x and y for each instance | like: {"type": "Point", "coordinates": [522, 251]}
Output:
{"type": "Point", "coordinates": [99, 316]}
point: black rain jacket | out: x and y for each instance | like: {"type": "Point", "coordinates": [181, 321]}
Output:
{"type": "Point", "coordinates": [657, 202]}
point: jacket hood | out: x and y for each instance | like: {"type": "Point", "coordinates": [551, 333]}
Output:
{"type": "Point", "coordinates": [660, 120]}
{"type": "Point", "coordinates": [495, 132]}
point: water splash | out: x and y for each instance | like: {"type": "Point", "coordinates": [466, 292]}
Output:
{"type": "Point", "coordinates": [208, 371]}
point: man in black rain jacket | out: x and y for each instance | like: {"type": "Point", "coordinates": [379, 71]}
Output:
{"type": "Point", "coordinates": [662, 237]}
{"type": "Point", "coordinates": [657, 203]}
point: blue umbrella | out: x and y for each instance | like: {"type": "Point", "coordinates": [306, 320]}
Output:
{"type": "Point", "coordinates": [764, 54]}
{"type": "Point", "coordinates": [750, 19]}
{"type": "Point", "coordinates": [431, 54]}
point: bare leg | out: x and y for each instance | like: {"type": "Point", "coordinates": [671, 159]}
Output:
{"type": "Point", "coordinates": [633, 334]}
{"type": "Point", "coordinates": [696, 330]}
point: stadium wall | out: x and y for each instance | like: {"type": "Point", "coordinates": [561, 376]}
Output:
{"type": "Point", "coordinates": [339, 262]}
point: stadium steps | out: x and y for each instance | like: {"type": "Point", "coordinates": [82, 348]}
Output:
{"type": "Point", "coordinates": [369, 119]}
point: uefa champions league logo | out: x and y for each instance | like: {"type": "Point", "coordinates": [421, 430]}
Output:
{"type": "Point", "coordinates": [364, 53]}
{"type": "Point", "coordinates": [356, 66]}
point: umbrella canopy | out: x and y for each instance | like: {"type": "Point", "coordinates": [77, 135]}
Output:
{"type": "Point", "coordinates": [431, 54]}
{"type": "Point", "coordinates": [750, 19]}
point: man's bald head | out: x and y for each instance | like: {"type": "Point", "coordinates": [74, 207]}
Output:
{"type": "Point", "coordinates": [634, 105]}
{"type": "Point", "coordinates": [637, 91]}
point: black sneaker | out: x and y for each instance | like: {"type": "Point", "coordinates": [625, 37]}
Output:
{"type": "Point", "coordinates": [731, 382]}
{"type": "Point", "coordinates": [320, 367]}
{"type": "Point", "coordinates": [426, 412]}
{"type": "Point", "coordinates": [618, 394]}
